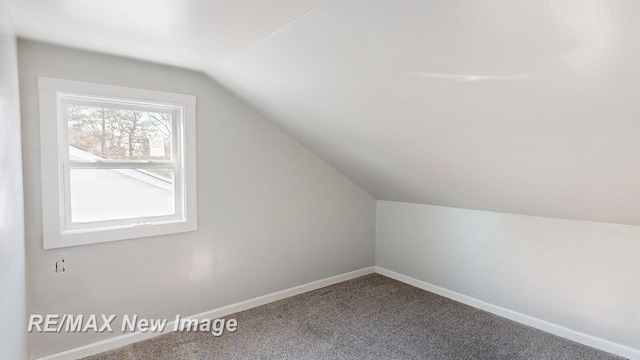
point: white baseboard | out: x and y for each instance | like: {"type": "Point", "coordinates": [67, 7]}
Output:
{"type": "Point", "coordinates": [122, 340]}
{"type": "Point", "coordinates": [592, 341]}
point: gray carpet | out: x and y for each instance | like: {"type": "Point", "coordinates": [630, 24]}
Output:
{"type": "Point", "coordinates": [371, 317]}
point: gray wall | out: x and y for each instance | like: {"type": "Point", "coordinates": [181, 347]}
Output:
{"type": "Point", "coordinates": [578, 274]}
{"type": "Point", "coordinates": [13, 338]}
{"type": "Point", "coordinates": [271, 214]}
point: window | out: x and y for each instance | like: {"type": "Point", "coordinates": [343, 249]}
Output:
{"type": "Point", "coordinates": [117, 162]}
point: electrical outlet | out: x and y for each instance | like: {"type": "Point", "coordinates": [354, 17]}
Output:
{"type": "Point", "coordinates": [60, 268]}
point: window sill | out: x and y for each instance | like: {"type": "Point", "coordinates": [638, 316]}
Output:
{"type": "Point", "coordinates": [126, 232]}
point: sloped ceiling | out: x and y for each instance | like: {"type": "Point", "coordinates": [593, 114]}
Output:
{"type": "Point", "coordinates": [518, 106]}
{"type": "Point", "coordinates": [195, 34]}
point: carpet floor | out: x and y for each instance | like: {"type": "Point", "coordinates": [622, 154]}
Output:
{"type": "Point", "coordinates": [371, 317]}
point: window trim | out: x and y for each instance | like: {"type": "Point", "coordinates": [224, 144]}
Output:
{"type": "Point", "coordinates": [51, 92]}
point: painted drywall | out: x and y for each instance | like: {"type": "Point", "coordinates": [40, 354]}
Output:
{"type": "Point", "coordinates": [452, 102]}
{"type": "Point", "coordinates": [271, 215]}
{"type": "Point", "coordinates": [577, 274]}
{"type": "Point", "coordinates": [199, 32]}
{"type": "Point", "coordinates": [13, 337]}
{"type": "Point", "coordinates": [437, 102]}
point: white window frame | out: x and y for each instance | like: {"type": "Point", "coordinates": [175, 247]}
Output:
{"type": "Point", "coordinates": [58, 231]}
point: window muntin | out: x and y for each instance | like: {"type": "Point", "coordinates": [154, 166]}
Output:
{"type": "Point", "coordinates": [117, 162]}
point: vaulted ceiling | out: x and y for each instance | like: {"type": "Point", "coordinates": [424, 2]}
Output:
{"type": "Point", "coordinates": [528, 107]}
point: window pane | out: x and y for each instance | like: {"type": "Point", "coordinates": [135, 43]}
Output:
{"type": "Point", "coordinates": [113, 133]}
{"type": "Point", "coordinates": [117, 194]}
